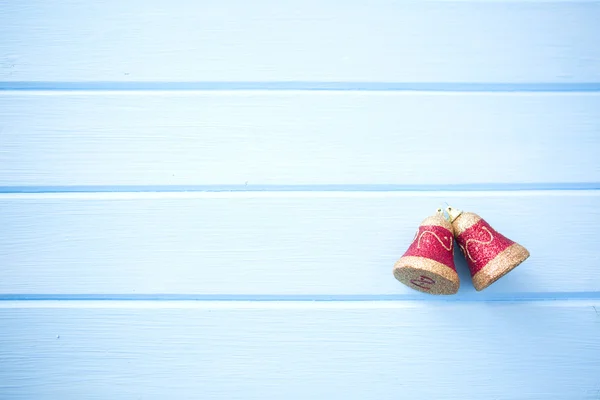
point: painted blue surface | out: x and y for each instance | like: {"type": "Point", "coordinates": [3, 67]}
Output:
{"type": "Point", "coordinates": [299, 350]}
{"type": "Point", "coordinates": [205, 199]}
{"type": "Point", "coordinates": [302, 41]}
{"type": "Point", "coordinates": [289, 138]}
{"type": "Point", "coordinates": [276, 243]}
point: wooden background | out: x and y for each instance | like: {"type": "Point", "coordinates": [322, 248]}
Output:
{"type": "Point", "coordinates": [205, 199]}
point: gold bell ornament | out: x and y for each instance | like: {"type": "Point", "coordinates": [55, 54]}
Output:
{"type": "Point", "coordinates": [428, 264]}
{"type": "Point", "coordinates": [489, 254]}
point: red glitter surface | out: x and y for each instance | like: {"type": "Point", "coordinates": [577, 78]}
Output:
{"type": "Point", "coordinates": [481, 244]}
{"type": "Point", "coordinates": [435, 243]}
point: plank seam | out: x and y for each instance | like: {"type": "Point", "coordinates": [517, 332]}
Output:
{"type": "Point", "coordinates": [285, 305]}
{"type": "Point", "coordinates": [303, 86]}
{"type": "Point", "coordinates": [476, 187]}
{"type": "Point", "coordinates": [469, 297]}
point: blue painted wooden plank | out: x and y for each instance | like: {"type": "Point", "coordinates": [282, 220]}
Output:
{"type": "Point", "coordinates": [266, 245]}
{"type": "Point", "coordinates": [350, 350]}
{"type": "Point", "coordinates": [158, 139]}
{"type": "Point", "coordinates": [268, 40]}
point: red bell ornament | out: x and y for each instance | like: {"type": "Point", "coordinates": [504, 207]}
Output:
{"type": "Point", "coordinates": [489, 254]}
{"type": "Point", "coordinates": [428, 264]}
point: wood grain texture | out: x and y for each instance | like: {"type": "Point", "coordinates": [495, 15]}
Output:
{"type": "Point", "coordinates": [297, 138]}
{"type": "Point", "coordinates": [267, 40]}
{"type": "Point", "coordinates": [277, 244]}
{"type": "Point", "coordinates": [549, 350]}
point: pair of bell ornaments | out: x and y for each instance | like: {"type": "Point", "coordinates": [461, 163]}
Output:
{"type": "Point", "coordinates": [428, 264]}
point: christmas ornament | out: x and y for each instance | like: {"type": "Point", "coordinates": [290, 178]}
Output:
{"type": "Point", "coordinates": [489, 254]}
{"type": "Point", "coordinates": [428, 264]}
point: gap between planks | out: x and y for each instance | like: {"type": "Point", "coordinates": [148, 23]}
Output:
{"type": "Point", "coordinates": [314, 86]}
{"type": "Point", "coordinates": [593, 304]}
{"type": "Point", "coordinates": [592, 90]}
{"type": "Point", "coordinates": [292, 194]}
{"type": "Point", "coordinates": [282, 298]}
